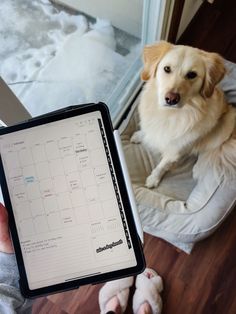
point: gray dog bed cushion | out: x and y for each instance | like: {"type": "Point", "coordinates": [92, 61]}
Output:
{"type": "Point", "coordinates": [180, 210]}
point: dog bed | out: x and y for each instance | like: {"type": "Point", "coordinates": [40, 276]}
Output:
{"type": "Point", "coordinates": [180, 210]}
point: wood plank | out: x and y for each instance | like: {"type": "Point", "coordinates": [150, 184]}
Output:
{"type": "Point", "coordinates": [43, 305]}
{"type": "Point", "coordinates": [175, 21]}
{"type": "Point", "coordinates": [213, 29]}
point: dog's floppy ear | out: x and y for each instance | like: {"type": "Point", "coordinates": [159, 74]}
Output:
{"type": "Point", "coordinates": [152, 54]}
{"type": "Point", "coordinates": [215, 71]}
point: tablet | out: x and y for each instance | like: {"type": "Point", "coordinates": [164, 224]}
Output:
{"type": "Point", "coordinates": [70, 215]}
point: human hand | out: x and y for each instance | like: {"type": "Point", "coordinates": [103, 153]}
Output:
{"type": "Point", "coordinates": [5, 240]}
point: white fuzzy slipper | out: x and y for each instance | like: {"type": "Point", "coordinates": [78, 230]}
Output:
{"type": "Point", "coordinates": [118, 288]}
{"type": "Point", "coordinates": [147, 290]}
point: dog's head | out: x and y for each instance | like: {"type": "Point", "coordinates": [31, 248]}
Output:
{"type": "Point", "coordinates": [181, 72]}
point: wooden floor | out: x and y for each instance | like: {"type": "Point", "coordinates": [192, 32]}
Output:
{"type": "Point", "coordinates": [213, 28]}
{"type": "Point", "coordinates": [201, 283]}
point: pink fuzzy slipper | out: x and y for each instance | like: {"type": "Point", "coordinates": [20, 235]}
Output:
{"type": "Point", "coordinates": [118, 288]}
{"type": "Point", "coordinates": [147, 290]}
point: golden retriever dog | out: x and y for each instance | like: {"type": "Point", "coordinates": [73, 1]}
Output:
{"type": "Point", "coordinates": [182, 111]}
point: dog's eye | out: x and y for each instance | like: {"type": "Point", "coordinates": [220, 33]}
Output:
{"type": "Point", "coordinates": [191, 75]}
{"type": "Point", "coordinates": [167, 69]}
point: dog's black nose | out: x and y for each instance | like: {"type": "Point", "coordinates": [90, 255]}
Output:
{"type": "Point", "coordinates": [172, 98]}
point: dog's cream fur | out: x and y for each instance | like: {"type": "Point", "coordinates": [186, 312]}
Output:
{"type": "Point", "coordinates": [201, 123]}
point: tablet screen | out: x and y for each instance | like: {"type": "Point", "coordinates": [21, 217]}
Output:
{"type": "Point", "coordinates": [70, 219]}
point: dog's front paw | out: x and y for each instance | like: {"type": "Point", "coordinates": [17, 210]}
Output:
{"type": "Point", "coordinates": [136, 138]}
{"type": "Point", "coordinates": [152, 181]}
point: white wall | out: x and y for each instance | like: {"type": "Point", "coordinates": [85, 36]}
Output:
{"type": "Point", "coordinates": [190, 8]}
{"type": "Point", "coordinates": [124, 14]}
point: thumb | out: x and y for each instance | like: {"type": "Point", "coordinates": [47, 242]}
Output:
{"type": "Point", "coordinates": [5, 240]}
